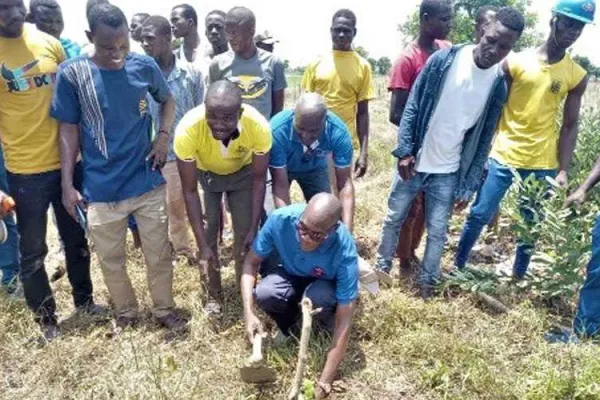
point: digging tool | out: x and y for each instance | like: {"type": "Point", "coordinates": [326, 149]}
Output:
{"type": "Point", "coordinates": [255, 370]}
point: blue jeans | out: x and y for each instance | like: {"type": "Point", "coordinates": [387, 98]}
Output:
{"type": "Point", "coordinates": [9, 250]}
{"type": "Point", "coordinates": [312, 182]}
{"type": "Point", "coordinates": [439, 197]}
{"type": "Point", "coordinates": [278, 294]}
{"type": "Point", "coordinates": [498, 181]}
{"type": "Point", "coordinates": [587, 319]}
{"type": "Point", "coordinates": [33, 194]}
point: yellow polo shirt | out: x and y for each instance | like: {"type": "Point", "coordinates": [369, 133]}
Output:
{"type": "Point", "coordinates": [195, 142]}
{"type": "Point", "coordinates": [527, 135]}
{"type": "Point", "coordinates": [344, 79]}
{"type": "Point", "coordinates": [28, 73]}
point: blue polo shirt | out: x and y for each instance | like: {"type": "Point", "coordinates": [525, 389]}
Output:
{"type": "Point", "coordinates": [115, 126]}
{"type": "Point", "coordinates": [334, 260]}
{"type": "Point", "coordinates": [289, 152]}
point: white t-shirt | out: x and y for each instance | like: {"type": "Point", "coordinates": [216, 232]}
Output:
{"type": "Point", "coordinates": [462, 100]}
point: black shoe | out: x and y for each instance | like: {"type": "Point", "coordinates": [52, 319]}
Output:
{"type": "Point", "coordinates": [50, 331]}
{"type": "Point", "coordinates": [427, 292]}
{"type": "Point", "coordinates": [173, 322]}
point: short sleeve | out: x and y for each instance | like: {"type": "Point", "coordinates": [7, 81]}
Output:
{"type": "Point", "coordinates": [308, 79]}
{"type": "Point", "coordinates": [577, 76]}
{"type": "Point", "coordinates": [264, 244]}
{"type": "Point", "coordinates": [346, 290]}
{"type": "Point", "coordinates": [65, 105]}
{"type": "Point", "coordinates": [366, 91]}
{"type": "Point", "coordinates": [342, 150]}
{"type": "Point", "coordinates": [58, 52]}
{"type": "Point", "coordinates": [278, 151]}
{"type": "Point", "coordinates": [159, 88]}
{"type": "Point", "coordinates": [184, 144]}
{"type": "Point", "coordinates": [515, 66]}
{"type": "Point", "coordinates": [279, 80]}
{"type": "Point", "coordinates": [403, 74]}
{"type": "Point", "coordinates": [262, 138]}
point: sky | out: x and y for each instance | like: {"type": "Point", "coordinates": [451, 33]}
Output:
{"type": "Point", "coordinates": [302, 27]}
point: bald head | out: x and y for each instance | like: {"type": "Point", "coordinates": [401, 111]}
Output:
{"type": "Point", "coordinates": [223, 94]}
{"type": "Point", "coordinates": [323, 211]}
{"type": "Point", "coordinates": [311, 105]}
{"type": "Point", "coordinates": [309, 117]}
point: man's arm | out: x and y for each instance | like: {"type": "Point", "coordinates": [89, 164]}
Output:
{"type": "Point", "coordinates": [189, 185]}
{"type": "Point", "coordinates": [281, 187]}
{"type": "Point", "coordinates": [69, 149]}
{"type": "Point", "coordinates": [362, 128]}
{"type": "Point", "coordinates": [568, 131]}
{"type": "Point", "coordinates": [278, 100]}
{"type": "Point", "coordinates": [345, 187]}
{"type": "Point", "coordinates": [248, 280]}
{"type": "Point", "coordinates": [341, 335]}
{"type": "Point", "coordinates": [397, 104]}
{"type": "Point", "coordinates": [260, 163]}
{"type": "Point", "coordinates": [578, 197]}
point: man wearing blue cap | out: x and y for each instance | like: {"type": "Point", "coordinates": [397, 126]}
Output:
{"type": "Point", "coordinates": [526, 138]}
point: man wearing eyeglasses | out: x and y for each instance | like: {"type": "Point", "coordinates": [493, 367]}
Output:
{"type": "Point", "coordinates": [302, 139]}
{"type": "Point", "coordinates": [319, 261]}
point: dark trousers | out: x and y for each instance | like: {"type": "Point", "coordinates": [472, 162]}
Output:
{"type": "Point", "coordinates": [279, 295]}
{"type": "Point", "coordinates": [33, 194]}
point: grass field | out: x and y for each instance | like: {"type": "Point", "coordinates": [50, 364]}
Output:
{"type": "Point", "coordinates": [401, 347]}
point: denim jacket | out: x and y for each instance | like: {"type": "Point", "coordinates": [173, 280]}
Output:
{"type": "Point", "coordinates": [419, 108]}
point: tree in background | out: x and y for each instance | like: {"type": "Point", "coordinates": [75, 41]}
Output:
{"type": "Point", "coordinates": [286, 65]}
{"type": "Point", "coordinates": [362, 52]}
{"type": "Point", "coordinates": [463, 28]}
{"type": "Point", "coordinates": [384, 64]}
{"type": "Point", "coordinates": [587, 64]}
{"type": "Point", "coordinates": [373, 63]}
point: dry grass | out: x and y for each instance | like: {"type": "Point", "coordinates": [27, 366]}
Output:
{"type": "Point", "coordinates": [402, 348]}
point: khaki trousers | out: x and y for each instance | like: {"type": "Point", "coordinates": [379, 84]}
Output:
{"type": "Point", "coordinates": [178, 222]}
{"type": "Point", "coordinates": [108, 229]}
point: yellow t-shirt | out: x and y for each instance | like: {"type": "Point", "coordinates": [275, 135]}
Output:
{"type": "Point", "coordinates": [344, 78]}
{"type": "Point", "coordinates": [29, 135]}
{"type": "Point", "coordinates": [527, 135]}
{"type": "Point", "coordinates": [194, 141]}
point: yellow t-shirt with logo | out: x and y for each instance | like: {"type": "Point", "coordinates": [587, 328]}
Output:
{"type": "Point", "coordinates": [194, 141]}
{"type": "Point", "coordinates": [344, 78]}
{"type": "Point", "coordinates": [28, 72]}
{"type": "Point", "coordinates": [527, 135]}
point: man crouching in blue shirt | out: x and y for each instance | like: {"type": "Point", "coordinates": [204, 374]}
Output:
{"type": "Point", "coordinates": [319, 260]}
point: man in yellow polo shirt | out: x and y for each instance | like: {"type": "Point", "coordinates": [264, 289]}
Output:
{"type": "Point", "coordinates": [345, 79]}
{"type": "Point", "coordinates": [527, 140]}
{"type": "Point", "coordinates": [225, 145]}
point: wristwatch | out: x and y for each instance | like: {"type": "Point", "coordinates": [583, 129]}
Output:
{"type": "Point", "coordinates": [326, 387]}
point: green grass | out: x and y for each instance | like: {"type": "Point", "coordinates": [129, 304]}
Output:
{"type": "Point", "coordinates": [401, 347]}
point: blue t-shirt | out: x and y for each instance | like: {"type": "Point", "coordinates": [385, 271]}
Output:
{"type": "Point", "coordinates": [289, 152]}
{"type": "Point", "coordinates": [112, 111]}
{"type": "Point", "coordinates": [334, 260]}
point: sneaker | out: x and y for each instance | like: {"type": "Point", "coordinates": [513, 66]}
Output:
{"type": "Point", "coordinates": [212, 308]}
{"type": "Point", "coordinates": [566, 336]}
{"type": "Point", "coordinates": [50, 331]}
{"type": "Point", "coordinates": [427, 292]}
{"type": "Point", "coordinates": [173, 322]}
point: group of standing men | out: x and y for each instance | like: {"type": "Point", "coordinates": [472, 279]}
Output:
{"type": "Point", "coordinates": [111, 134]}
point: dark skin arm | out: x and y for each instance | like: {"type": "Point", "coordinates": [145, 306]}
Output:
{"type": "Point", "coordinates": [362, 127]}
{"type": "Point", "coordinates": [69, 149]}
{"type": "Point", "coordinates": [281, 187]}
{"type": "Point", "coordinates": [578, 197]}
{"type": "Point", "coordinates": [339, 344]}
{"type": "Point", "coordinates": [189, 184]}
{"type": "Point", "coordinates": [249, 271]}
{"type": "Point", "coordinates": [345, 188]}
{"type": "Point", "coordinates": [260, 163]}
{"type": "Point", "coordinates": [397, 104]}
{"type": "Point", "coordinates": [278, 100]}
{"type": "Point", "coordinates": [568, 131]}
{"type": "Point", "coordinates": [160, 145]}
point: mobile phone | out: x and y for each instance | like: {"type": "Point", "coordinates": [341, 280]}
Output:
{"type": "Point", "coordinates": [81, 218]}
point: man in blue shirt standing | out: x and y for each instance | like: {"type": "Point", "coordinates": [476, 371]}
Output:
{"type": "Point", "coordinates": [101, 104]}
{"type": "Point", "coordinates": [319, 261]}
{"type": "Point", "coordinates": [302, 139]}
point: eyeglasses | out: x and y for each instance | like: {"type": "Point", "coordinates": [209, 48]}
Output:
{"type": "Point", "coordinates": [314, 235]}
